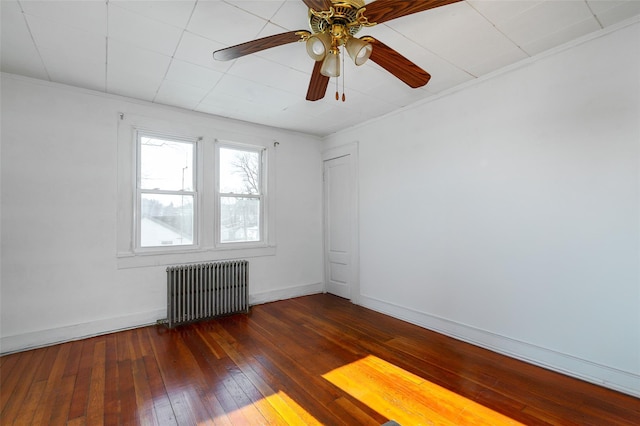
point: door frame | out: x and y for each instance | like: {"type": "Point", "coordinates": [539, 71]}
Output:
{"type": "Point", "coordinates": [350, 150]}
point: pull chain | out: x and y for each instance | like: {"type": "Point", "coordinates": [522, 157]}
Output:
{"type": "Point", "coordinates": [344, 98]}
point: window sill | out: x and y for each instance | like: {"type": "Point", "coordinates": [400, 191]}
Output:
{"type": "Point", "coordinates": [144, 259]}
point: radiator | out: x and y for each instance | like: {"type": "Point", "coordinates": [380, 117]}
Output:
{"type": "Point", "coordinates": [207, 290]}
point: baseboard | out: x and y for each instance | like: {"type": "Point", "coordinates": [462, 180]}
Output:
{"type": "Point", "coordinates": [612, 378]}
{"type": "Point", "coordinates": [285, 293]}
{"type": "Point", "coordinates": [53, 336]}
{"type": "Point", "coordinates": [37, 339]}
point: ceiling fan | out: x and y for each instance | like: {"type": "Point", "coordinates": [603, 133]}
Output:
{"type": "Point", "coordinates": [334, 24]}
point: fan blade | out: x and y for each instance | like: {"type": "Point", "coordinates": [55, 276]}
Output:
{"type": "Point", "coordinates": [318, 5]}
{"type": "Point", "coordinates": [385, 10]}
{"type": "Point", "coordinates": [254, 46]}
{"type": "Point", "coordinates": [318, 84]}
{"type": "Point", "coordinates": [398, 65]}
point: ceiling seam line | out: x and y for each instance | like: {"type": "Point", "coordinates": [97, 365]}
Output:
{"type": "Point", "coordinates": [33, 40]}
{"type": "Point", "coordinates": [593, 14]}
{"type": "Point", "coordinates": [173, 55]}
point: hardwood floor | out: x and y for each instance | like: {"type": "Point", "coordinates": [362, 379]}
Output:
{"type": "Point", "coordinates": [311, 360]}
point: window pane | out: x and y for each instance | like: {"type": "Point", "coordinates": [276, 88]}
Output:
{"type": "Point", "coordinates": [239, 219]}
{"type": "Point", "coordinates": [166, 220]}
{"type": "Point", "coordinates": [239, 171]}
{"type": "Point", "coordinates": [166, 164]}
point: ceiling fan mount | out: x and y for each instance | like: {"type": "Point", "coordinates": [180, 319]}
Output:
{"type": "Point", "coordinates": [334, 24]}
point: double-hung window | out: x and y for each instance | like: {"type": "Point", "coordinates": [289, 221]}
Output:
{"type": "Point", "coordinates": [166, 192]}
{"type": "Point", "coordinates": [240, 194]}
{"type": "Point", "coordinates": [188, 192]}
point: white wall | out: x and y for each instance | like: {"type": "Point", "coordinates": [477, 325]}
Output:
{"type": "Point", "coordinates": [507, 213]}
{"type": "Point", "coordinates": [61, 278]}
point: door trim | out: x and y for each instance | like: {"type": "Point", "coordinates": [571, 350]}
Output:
{"type": "Point", "coordinates": [350, 150]}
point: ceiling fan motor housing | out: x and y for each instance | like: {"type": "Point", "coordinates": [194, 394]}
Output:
{"type": "Point", "coordinates": [344, 13]}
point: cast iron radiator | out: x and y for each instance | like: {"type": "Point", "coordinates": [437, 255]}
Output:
{"type": "Point", "coordinates": [202, 291]}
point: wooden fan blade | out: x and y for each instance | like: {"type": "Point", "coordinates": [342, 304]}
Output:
{"type": "Point", "coordinates": [318, 84]}
{"type": "Point", "coordinates": [318, 5]}
{"type": "Point", "coordinates": [254, 46]}
{"type": "Point", "coordinates": [398, 65]}
{"type": "Point", "coordinates": [385, 10]}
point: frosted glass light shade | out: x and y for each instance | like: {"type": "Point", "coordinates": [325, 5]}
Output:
{"type": "Point", "coordinates": [359, 50]}
{"type": "Point", "coordinates": [318, 45]}
{"type": "Point", "coordinates": [331, 64]}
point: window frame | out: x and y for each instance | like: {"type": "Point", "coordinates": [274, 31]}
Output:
{"type": "Point", "coordinates": [206, 132]}
{"type": "Point", "coordinates": [262, 223]}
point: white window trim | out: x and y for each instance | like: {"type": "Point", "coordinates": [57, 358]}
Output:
{"type": "Point", "coordinates": [205, 247]}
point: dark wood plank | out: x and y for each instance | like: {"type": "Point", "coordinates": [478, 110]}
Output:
{"type": "Point", "coordinates": [18, 383]}
{"type": "Point", "coordinates": [311, 360]}
{"type": "Point", "coordinates": [95, 406]}
{"type": "Point", "coordinates": [60, 411]}
{"type": "Point", "coordinates": [80, 396]}
{"type": "Point", "coordinates": [111, 393]}
{"type": "Point", "coordinates": [53, 382]}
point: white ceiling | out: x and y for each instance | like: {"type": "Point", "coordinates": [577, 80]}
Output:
{"type": "Point", "coordinates": [161, 51]}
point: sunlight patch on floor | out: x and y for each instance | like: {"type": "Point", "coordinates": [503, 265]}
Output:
{"type": "Point", "coordinates": [288, 411]}
{"type": "Point", "coordinates": [409, 399]}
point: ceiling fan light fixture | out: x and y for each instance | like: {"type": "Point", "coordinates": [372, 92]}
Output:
{"type": "Point", "coordinates": [331, 64]}
{"type": "Point", "coordinates": [359, 50]}
{"type": "Point", "coordinates": [318, 45]}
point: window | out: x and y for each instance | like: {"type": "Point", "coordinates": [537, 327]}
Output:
{"type": "Point", "coordinates": [189, 192]}
{"type": "Point", "coordinates": [240, 194]}
{"type": "Point", "coordinates": [166, 191]}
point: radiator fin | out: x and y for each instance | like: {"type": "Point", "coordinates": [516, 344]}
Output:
{"type": "Point", "coordinates": [207, 290]}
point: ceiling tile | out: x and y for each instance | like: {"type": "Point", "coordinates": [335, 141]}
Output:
{"type": "Point", "coordinates": [560, 37]}
{"type": "Point", "coordinates": [224, 23]}
{"type": "Point", "coordinates": [365, 78]}
{"type": "Point", "coordinates": [192, 75]}
{"type": "Point", "coordinates": [67, 41]}
{"type": "Point", "coordinates": [222, 105]}
{"type": "Point", "coordinates": [199, 50]}
{"type": "Point", "coordinates": [137, 86]}
{"type": "Point", "coordinates": [459, 34]}
{"type": "Point", "coordinates": [292, 15]}
{"type": "Point", "coordinates": [19, 53]}
{"type": "Point", "coordinates": [172, 12]}
{"type": "Point", "coordinates": [495, 61]}
{"type": "Point", "coordinates": [611, 12]}
{"type": "Point", "coordinates": [126, 59]}
{"type": "Point", "coordinates": [543, 19]}
{"type": "Point", "coordinates": [75, 70]}
{"type": "Point", "coordinates": [357, 102]}
{"type": "Point", "coordinates": [142, 32]}
{"type": "Point", "coordinates": [261, 8]}
{"type": "Point", "coordinates": [395, 92]}
{"type": "Point", "coordinates": [501, 11]}
{"type": "Point", "coordinates": [88, 16]}
{"type": "Point", "coordinates": [179, 94]}
{"type": "Point", "coordinates": [255, 93]}
{"type": "Point", "coordinates": [272, 74]}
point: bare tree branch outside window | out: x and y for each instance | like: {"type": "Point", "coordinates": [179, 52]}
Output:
{"type": "Point", "coordinates": [246, 165]}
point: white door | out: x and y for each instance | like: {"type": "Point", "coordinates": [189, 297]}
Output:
{"type": "Point", "coordinates": [338, 197]}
